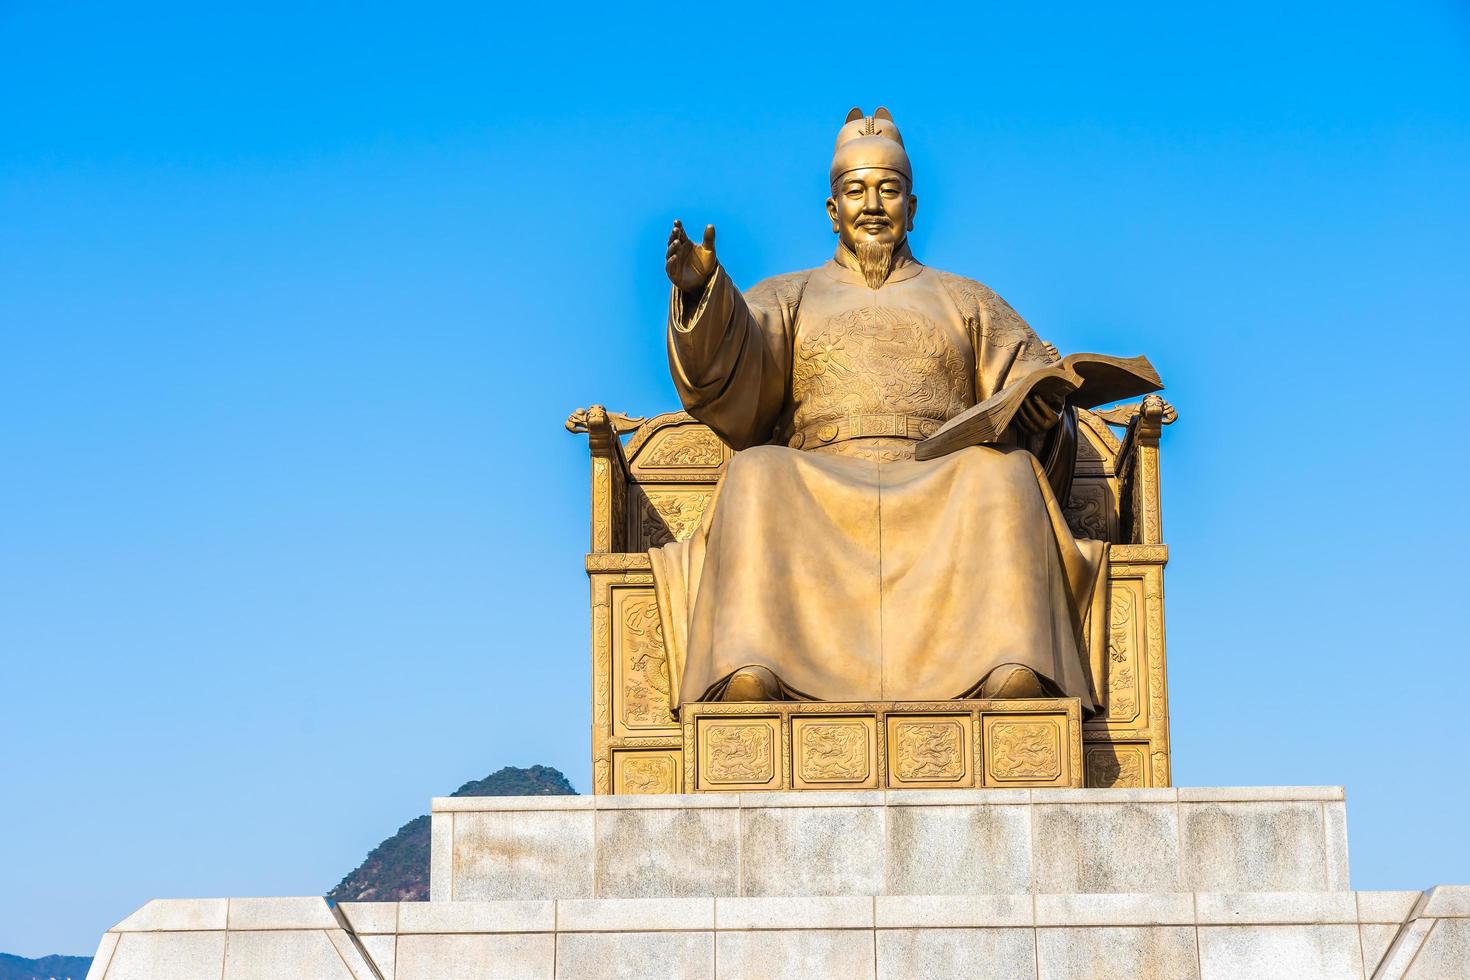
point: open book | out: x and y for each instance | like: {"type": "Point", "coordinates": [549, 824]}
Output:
{"type": "Point", "coordinates": [1086, 380]}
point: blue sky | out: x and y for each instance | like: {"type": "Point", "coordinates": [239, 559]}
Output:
{"type": "Point", "coordinates": [293, 303]}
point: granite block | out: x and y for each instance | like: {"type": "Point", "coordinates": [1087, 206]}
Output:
{"type": "Point", "coordinates": [984, 849]}
{"type": "Point", "coordinates": [381, 950]}
{"type": "Point", "coordinates": [807, 799]}
{"type": "Point", "coordinates": [1120, 794]}
{"type": "Point", "coordinates": [1392, 907]}
{"type": "Point", "coordinates": [635, 956]}
{"type": "Point", "coordinates": [501, 804]}
{"type": "Point", "coordinates": [1105, 847]}
{"type": "Point", "coordinates": [370, 918]}
{"type": "Point", "coordinates": [463, 917]}
{"type": "Point", "coordinates": [281, 913]}
{"type": "Point", "coordinates": [1334, 827]}
{"type": "Point", "coordinates": [957, 797]}
{"type": "Point", "coordinates": [1402, 950]}
{"type": "Point", "coordinates": [178, 915]}
{"type": "Point", "coordinates": [1116, 909]}
{"type": "Point", "coordinates": [350, 952]}
{"type": "Point", "coordinates": [1275, 908]}
{"type": "Point", "coordinates": [845, 912]}
{"type": "Point", "coordinates": [484, 957]}
{"type": "Point", "coordinates": [1445, 954]}
{"type": "Point", "coordinates": [273, 954]}
{"type": "Point", "coordinates": [103, 956]}
{"type": "Point", "coordinates": [1447, 902]}
{"type": "Point", "coordinates": [441, 857]}
{"type": "Point", "coordinates": [951, 911]}
{"type": "Point", "coordinates": [513, 854]}
{"type": "Point", "coordinates": [795, 955]}
{"type": "Point", "coordinates": [1375, 939]}
{"type": "Point", "coordinates": [1300, 952]}
{"type": "Point", "coordinates": [1253, 847]}
{"type": "Point", "coordinates": [666, 853]}
{"type": "Point", "coordinates": [1249, 794]}
{"type": "Point", "coordinates": [1117, 953]}
{"type": "Point", "coordinates": [635, 914]}
{"type": "Point", "coordinates": [175, 955]}
{"type": "Point", "coordinates": [669, 801]}
{"type": "Point", "coordinates": [816, 850]}
{"type": "Point", "coordinates": [956, 954]}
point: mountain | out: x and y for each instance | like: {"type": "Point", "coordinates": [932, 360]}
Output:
{"type": "Point", "coordinates": [45, 968]}
{"type": "Point", "coordinates": [397, 870]}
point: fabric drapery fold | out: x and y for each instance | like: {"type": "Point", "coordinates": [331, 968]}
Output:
{"type": "Point", "coordinates": [862, 579]}
{"type": "Point", "coordinates": [849, 569]}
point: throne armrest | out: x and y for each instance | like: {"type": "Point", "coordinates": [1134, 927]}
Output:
{"type": "Point", "coordinates": [609, 474]}
{"type": "Point", "coordinates": [1138, 468]}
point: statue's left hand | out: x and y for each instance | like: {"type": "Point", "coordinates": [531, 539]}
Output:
{"type": "Point", "coordinates": [1039, 412]}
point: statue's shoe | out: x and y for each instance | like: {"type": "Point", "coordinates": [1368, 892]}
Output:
{"type": "Point", "coordinates": [752, 684]}
{"type": "Point", "coordinates": [1012, 681]}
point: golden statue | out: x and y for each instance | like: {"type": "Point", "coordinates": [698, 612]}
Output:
{"type": "Point", "coordinates": [833, 565]}
{"type": "Point", "coordinates": [846, 566]}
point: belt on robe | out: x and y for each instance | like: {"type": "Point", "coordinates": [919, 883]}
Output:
{"type": "Point", "coordinates": [860, 426]}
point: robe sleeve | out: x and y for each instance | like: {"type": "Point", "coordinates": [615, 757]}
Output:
{"type": "Point", "coordinates": [1007, 349]}
{"type": "Point", "coordinates": [730, 357]}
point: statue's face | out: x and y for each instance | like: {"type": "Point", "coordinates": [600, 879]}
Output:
{"type": "Point", "coordinates": [872, 205]}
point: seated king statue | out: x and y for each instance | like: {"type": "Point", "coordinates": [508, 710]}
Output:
{"type": "Point", "coordinates": [833, 565]}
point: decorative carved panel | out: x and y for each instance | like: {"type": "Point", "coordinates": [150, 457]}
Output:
{"type": "Point", "coordinates": [739, 753]}
{"type": "Point", "coordinates": [1034, 750]}
{"type": "Point", "coordinates": [661, 514]}
{"type": "Point", "coordinates": [647, 771]}
{"type": "Point", "coordinates": [1092, 511]}
{"type": "Point", "coordinates": [834, 753]}
{"type": "Point", "coordinates": [640, 665]}
{"type": "Point", "coordinates": [1025, 750]}
{"type": "Point", "coordinates": [1123, 766]}
{"type": "Point", "coordinates": [1126, 668]}
{"type": "Point", "coordinates": [684, 447]}
{"type": "Point", "coordinates": [930, 751]}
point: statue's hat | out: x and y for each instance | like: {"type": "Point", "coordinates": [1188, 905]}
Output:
{"type": "Point", "coordinates": [869, 141]}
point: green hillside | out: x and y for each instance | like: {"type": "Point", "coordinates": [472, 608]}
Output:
{"type": "Point", "coordinates": [397, 870]}
{"type": "Point", "coordinates": [45, 968]}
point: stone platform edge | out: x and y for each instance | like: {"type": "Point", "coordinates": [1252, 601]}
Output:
{"type": "Point", "coordinates": [881, 797]}
{"type": "Point", "coordinates": [1305, 935]}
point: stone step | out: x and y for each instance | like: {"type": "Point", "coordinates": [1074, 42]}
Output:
{"type": "Point", "coordinates": [895, 842]}
{"type": "Point", "coordinates": [1179, 936]}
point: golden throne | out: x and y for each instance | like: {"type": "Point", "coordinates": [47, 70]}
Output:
{"type": "Point", "coordinates": [655, 486]}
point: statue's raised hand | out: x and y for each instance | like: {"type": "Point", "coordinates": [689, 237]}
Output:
{"type": "Point", "coordinates": [690, 266]}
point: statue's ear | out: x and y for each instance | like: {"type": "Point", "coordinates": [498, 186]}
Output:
{"type": "Point", "coordinates": [854, 113]}
{"type": "Point", "coordinates": [832, 213]}
{"type": "Point", "coordinates": [913, 208]}
{"type": "Point", "coordinates": [882, 113]}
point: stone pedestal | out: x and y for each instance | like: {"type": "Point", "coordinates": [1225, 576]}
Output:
{"type": "Point", "coordinates": [1209, 884]}
{"type": "Point", "coordinates": [899, 842]}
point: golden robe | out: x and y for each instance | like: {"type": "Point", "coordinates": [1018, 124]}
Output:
{"type": "Point", "coordinates": [831, 556]}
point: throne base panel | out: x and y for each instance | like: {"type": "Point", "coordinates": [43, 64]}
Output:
{"type": "Point", "coordinates": [822, 745]}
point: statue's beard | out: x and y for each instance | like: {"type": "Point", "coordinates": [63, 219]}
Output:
{"type": "Point", "coordinates": [875, 259]}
